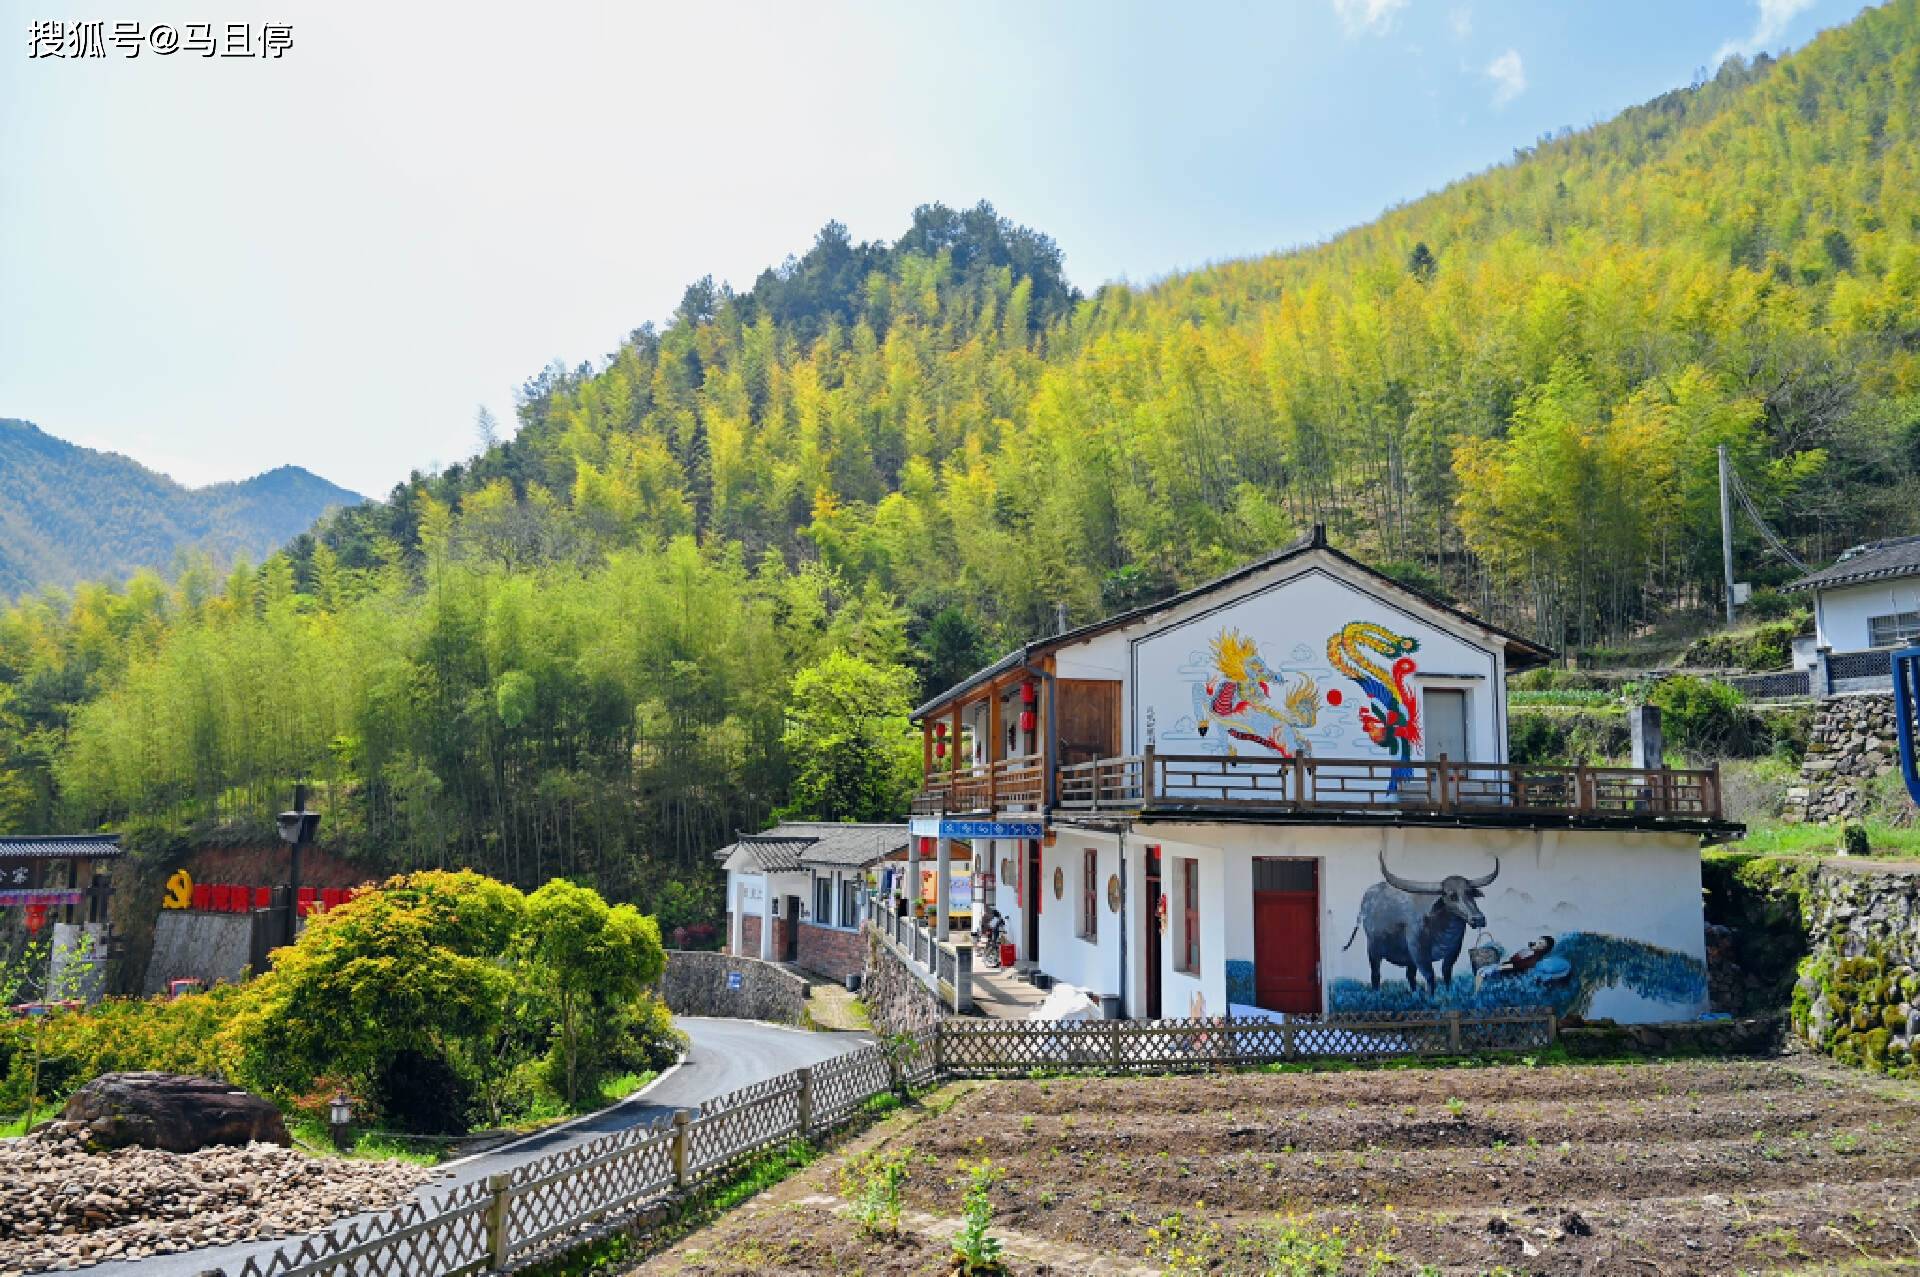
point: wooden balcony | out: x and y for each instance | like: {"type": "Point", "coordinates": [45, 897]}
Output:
{"type": "Point", "coordinates": [1007, 784]}
{"type": "Point", "coordinates": [1498, 793]}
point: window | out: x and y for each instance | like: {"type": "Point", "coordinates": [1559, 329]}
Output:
{"type": "Point", "coordinates": [1089, 894]}
{"type": "Point", "coordinates": [1189, 914]}
{"type": "Point", "coordinates": [849, 901]}
{"type": "Point", "coordinates": [1897, 630]}
{"type": "Point", "coordinates": [822, 901]}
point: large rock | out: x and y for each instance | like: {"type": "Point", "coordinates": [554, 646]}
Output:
{"type": "Point", "coordinates": [172, 1112]}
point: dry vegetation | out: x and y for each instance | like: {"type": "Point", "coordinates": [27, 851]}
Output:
{"type": "Point", "coordinates": [1680, 1168]}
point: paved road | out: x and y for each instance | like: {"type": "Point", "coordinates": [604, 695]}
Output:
{"type": "Point", "coordinates": [723, 1056]}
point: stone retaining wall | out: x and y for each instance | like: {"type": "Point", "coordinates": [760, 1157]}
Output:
{"type": "Point", "coordinates": [897, 1000]}
{"type": "Point", "coordinates": [1853, 741]}
{"type": "Point", "coordinates": [1858, 997]}
{"type": "Point", "coordinates": [695, 983]}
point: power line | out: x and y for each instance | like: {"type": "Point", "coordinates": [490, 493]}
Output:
{"type": "Point", "coordinates": [1767, 533]}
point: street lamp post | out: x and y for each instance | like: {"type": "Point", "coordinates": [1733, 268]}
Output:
{"type": "Point", "coordinates": [296, 830]}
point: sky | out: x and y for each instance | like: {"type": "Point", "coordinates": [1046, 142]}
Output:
{"type": "Point", "coordinates": [334, 257]}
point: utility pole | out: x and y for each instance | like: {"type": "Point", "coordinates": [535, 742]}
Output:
{"type": "Point", "coordinates": [1726, 531]}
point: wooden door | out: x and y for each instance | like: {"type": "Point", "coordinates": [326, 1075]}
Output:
{"type": "Point", "coordinates": [1286, 935]}
{"type": "Point", "coordinates": [1089, 719]}
{"type": "Point", "coordinates": [1152, 921]}
{"type": "Point", "coordinates": [792, 945]}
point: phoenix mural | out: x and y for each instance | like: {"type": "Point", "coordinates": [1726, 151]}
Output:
{"type": "Point", "coordinates": [1391, 719]}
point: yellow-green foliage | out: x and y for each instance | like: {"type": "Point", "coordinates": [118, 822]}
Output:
{"type": "Point", "coordinates": [191, 1034]}
{"type": "Point", "coordinates": [448, 975]}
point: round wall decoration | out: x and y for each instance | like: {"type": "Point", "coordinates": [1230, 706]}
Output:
{"type": "Point", "coordinates": [1113, 893]}
{"type": "Point", "coordinates": [1059, 883]}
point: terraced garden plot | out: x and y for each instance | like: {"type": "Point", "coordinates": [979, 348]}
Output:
{"type": "Point", "coordinates": [1702, 1167]}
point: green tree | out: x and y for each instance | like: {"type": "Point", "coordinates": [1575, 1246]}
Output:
{"type": "Point", "coordinates": [854, 754]}
{"type": "Point", "coordinates": [587, 955]}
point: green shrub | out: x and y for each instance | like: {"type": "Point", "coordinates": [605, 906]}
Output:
{"type": "Point", "coordinates": [1764, 647]}
{"type": "Point", "coordinates": [1702, 715]}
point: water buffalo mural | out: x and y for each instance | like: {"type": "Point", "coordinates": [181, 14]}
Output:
{"type": "Point", "coordinates": [1419, 925]}
{"type": "Point", "coordinates": [1422, 927]}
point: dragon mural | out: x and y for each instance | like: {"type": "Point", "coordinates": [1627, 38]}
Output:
{"type": "Point", "coordinates": [1237, 697]}
{"type": "Point", "coordinates": [1392, 719]}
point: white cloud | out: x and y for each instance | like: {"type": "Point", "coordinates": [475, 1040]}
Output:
{"type": "Point", "coordinates": [1768, 26]}
{"type": "Point", "coordinates": [1368, 17]}
{"type": "Point", "coordinates": [1509, 77]}
{"type": "Point", "coordinates": [1460, 22]}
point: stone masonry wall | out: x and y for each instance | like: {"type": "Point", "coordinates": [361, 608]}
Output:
{"type": "Point", "coordinates": [695, 983]}
{"type": "Point", "coordinates": [1858, 997]}
{"type": "Point", "coordinates": [1853, 741]}
{"type": "Point", "coordinates": [897, 1002]}
{"type": "Point", "coordinates": [832, 953]}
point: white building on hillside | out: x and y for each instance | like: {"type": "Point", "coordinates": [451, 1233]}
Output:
{"type": "Point", "coordinates": [1865, 606]}
{"type": "Point", "coordinates": [1289, 790]}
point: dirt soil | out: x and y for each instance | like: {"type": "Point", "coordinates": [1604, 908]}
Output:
{"type": "Point", "coordinates": [1699, 1167]}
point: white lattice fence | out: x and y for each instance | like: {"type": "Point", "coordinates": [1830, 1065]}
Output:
{"type": "Point", "coordinates": [1013, 1047]}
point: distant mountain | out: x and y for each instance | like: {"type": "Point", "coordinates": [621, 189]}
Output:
{"type": "Point", "coordinates": [69, 513]}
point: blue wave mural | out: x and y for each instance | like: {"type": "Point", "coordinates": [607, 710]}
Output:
{"type": "Point", "coordinates": [1566, 976]}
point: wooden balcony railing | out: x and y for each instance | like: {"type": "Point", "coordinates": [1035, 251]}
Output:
{"type": "Point", "coordinates": [1331, 785]}
{"type": "Point", "coordinates": [1006, 784]}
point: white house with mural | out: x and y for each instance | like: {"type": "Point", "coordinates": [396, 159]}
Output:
{"type": "Point", "coordinates": [1288, 790]}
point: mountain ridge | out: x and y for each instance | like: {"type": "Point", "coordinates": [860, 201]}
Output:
{"type": "Point", "coordinates": [69, 513]}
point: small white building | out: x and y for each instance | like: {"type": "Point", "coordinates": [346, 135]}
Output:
{"type": "Point", "coordinates": [1865, 605]}
{"type": "Point", "coordinates": [797, 892]}
{"type": "Point", "coordinates": [1289, 790]}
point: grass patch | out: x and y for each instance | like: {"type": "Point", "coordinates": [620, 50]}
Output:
{"type": "Point", "coordinates": [1775, 838]}
{"type": "Point", "coordinates": [312, 1136]}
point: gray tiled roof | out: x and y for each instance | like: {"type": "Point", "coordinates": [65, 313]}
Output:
{"type": "Point", "coordinates": [61, 847]}
{"type": "Point", "coordinates": [1874, 561]}
{"type": "Point", "coordinates": [789, 846]}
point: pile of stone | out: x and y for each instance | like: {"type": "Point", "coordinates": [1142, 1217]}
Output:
{"type": "Point", "coordinates": [67, 1208]}
{"type": "Point", "coordinates": [1853, 741]}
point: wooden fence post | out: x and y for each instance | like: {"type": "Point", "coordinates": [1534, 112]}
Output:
{"type": "Point", "coordinates": [498, 1238]}
{"type": "Point", "coordinates": [1114, 1041]}
{"type": "Point", "coordinates": [680, 1149]}
{"type": "Point", "coordinates": [1453, 1032]}
{"type": "Point", "coordinates": [1287, 1049]}
{"type": "Point", "coordinates": [804, 1105]}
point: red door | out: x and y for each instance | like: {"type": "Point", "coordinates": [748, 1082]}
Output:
{"type": "Point", "coordinates": [1286, 950]}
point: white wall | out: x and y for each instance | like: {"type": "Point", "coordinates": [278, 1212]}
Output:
{"type": "Point", "coordinates": [1292, 621]}
{"type": "Point", "coordinates": [1093, 965]}
{"type": "Point", "coordinates": [1842, 613]}
{"type": "Point", "coordinates": [1603, 895]}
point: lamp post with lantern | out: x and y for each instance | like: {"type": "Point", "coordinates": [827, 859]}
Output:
{"type": "Point", "coordinates": [296, 830]}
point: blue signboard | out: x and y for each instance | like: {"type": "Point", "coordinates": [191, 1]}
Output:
{"type": "Point", "coordinates": [991, 829]}
{"type": "Point", "coordinates": [733, 979]}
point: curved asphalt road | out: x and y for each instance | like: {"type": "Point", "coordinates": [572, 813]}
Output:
{"type": "Point", "coordinates": [723, 1056]}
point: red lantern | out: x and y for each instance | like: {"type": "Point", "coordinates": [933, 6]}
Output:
{"type": "Point", "coordinates": [36, 918]}
{"type": "Point", "coordinates": [1026, 720]}
{"type": "Point", "coordinates": [1027, 693]}
{"type": "Point", "coordinates": [939, 749]}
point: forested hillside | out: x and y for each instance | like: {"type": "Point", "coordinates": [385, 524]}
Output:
{"type": "Point", "coordinates": [70, 514]}
{"type": "Point", "coordinates": [584, 649]}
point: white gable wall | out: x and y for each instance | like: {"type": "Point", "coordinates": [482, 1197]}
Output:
{"type": "Point", "coordinates": [1290, 611]}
